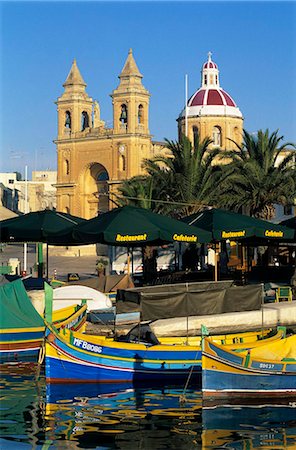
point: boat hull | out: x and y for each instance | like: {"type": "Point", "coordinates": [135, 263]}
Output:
{"type": "Point", "coordinates": [24, 344]}
{"type": "Point", "coordinates": [225, 374]}
{"type": "Point", "coordinates": [83, 360]}
{"type": "Point", "coordinates": [20, 345]}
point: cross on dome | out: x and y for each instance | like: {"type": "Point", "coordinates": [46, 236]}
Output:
{"type": "Point", "coordinates": [210, 56]}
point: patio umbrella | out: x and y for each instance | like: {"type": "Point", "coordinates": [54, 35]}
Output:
{"type": "Point", "coordinates": [47, 226]}
{"type": "Point", "coordinates": [234, 226]}
{"type": "Point", "coordinates": [290, 223]}
{"type": "Point", "coordinates": [225, 225]}
{"type": "Point", "coordinates": [51, 227]}
{"type": "Point", "coordinates": [129, 226]}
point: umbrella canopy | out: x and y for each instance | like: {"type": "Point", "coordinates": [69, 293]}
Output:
{"type": "Point", "coordinates": [51, 227]}
{"type": "Point", "coordinates": [290, 223]}
{"type": "Point", "coordinates": [229, 225]}
{"type": "Point", "coordinates": [129, 226]}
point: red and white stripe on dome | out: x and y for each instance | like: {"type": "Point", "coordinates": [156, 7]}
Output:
{"type": "Point", "coordinates": [211, 97]}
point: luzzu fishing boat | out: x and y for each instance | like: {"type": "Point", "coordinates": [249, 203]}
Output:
{"type": "Point", "coordinates": [75, 357]}
{"type": "Point", "coordinates": [22, 329]}
{"type": "Point", "coordinates": [263, 371]}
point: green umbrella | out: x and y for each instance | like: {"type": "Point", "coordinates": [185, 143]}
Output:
{"type": "Point", "coordinates": [51, 227]}
{"type": "Point", "coordinates": [47, 226]}
{"type": "Point", "coordinates": [129, 226]}
{"type": "Point", "coordinates": [290, 223]}
{"type": "Point", "coordinates": [234, 226]}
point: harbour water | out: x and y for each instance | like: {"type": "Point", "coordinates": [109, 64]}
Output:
{"type": "Point", "coordinates": [123, 416]}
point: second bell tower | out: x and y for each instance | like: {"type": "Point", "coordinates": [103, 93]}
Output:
{"type": "Point", "coordinates": [130, 101]}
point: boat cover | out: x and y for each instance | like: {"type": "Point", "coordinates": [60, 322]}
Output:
{"type": "Point", "coordinates": [16, 308]}
{"type": "Point", "coordinates": [107, 283]}
{"type": "Point", "coordinates": [189, 299]}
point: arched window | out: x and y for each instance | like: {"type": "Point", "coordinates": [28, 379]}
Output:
{"type": "Point", "coordinates": [140, 114]}
{"type": "Point", "coordinates": [123, 114]}
{"type": "Point", "coordinates": [67, 166]}
{"type": "Point", "coordinates": [236, 135]}
{"type": "Point", "coordinates": [122, 163]}
{"type": "Point", "coordinates": [217, 136]}
{"type": "Point", "coordinates": [68, 119]}
{"type": "Point", "coordinates": [84, 120]}
{"type": "Point", "coordinates": [195, 136]}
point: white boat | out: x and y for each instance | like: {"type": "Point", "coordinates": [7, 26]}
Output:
{"type": "Point", "coordinates": [71, 295]}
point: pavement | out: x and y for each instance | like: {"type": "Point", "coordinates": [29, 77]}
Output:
{"type": "Point", "coordinates": [58, 265]}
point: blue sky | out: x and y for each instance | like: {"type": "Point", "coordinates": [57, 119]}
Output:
{"type": "Point", "coordinates": [253, 43]}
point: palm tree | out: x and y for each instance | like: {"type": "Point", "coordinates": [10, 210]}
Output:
{"type": "Point", "coordinates": [186, 178]}
{"type": "Point", "coordinates": [137, 191]}
{"type": "Point", "coordinates": [261, 174]}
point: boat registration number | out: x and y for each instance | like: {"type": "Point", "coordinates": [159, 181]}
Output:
{"type": "Point", "coordinates": [80, 343]}
{"type": "Point", "coordinates": [266, 366]}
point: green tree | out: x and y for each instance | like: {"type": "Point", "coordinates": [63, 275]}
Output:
{"type": "Point", "coordinates": [261, 174]}
{"type": "Point", "coordinates": [186, 176]}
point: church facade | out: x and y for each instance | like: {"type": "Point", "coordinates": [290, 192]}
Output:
{"type": "Point", "coordinates": [93, 159]}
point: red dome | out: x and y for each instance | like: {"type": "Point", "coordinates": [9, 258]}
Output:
{"type": "Point", "coordinates": [211, 97]}
{"type": "Point", "coordinates": [210, 65]}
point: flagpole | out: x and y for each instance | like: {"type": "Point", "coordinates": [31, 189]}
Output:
{"type": "Point", "coordinates": [186, 109]}
{"type": "Point", "coordinates": [26, 210]}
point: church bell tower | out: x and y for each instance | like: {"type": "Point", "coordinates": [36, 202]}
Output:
{"type": "Point", "coordinates": [74, 105]}
{"type": "Point", "coordinates": [130, 101]}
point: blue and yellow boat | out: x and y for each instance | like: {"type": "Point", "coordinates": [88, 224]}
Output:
{"type": "Point", "coordinates": [267, 370]}
{"type": "Point", "coordinates": [22, 329]}
{"type": "Point", "coordinates": [75, 357]}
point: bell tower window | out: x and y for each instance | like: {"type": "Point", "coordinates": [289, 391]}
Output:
{"type": "Point", "coordinates": [123, 115]}
{"type": "Point", "coordinates": [84, 120]}
{"type": "Point", "coordinates": [206, 79]}
{"type": "Point", "coordinates": [140, 114]}
{"type": "Point", "coordinates": [217, 136]}
{"type": "Point", "coordinates": [68, 120]}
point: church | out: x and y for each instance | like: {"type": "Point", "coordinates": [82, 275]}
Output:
{"type": "Point", "coordinates": [94, 159]}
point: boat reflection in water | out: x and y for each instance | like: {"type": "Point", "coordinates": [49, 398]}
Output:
{"type": "Point", "coordinates": [249, 426]}
{"type": "Point", "coordinates": [108, 416]}
{"type": "Point", "coordinates": [118, 414]}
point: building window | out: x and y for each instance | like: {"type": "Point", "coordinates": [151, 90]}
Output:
{"type": "Point", "coordinates": [68, 119]}
{"type": "Point", "coordinates": [140, 114]}
{"type": "Point", "coordinates": [195, 136]}
{"type": "Point", "coordinates": [217, 136]}
{"type": "Point", "coordinates": [10, 181]}
{"type": "Point", "coordinates": [84, 120]}
{"type": "Point", "coordinates": [206, 79]}
{"type": "Point", "coordinates": [122, 163]}
{"type": "Point", "coordinates": [288, 210]}
{"type": "Point", "coordinates": [67, 167]}
{"type": "Point", "coordinates": [123, 114]}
